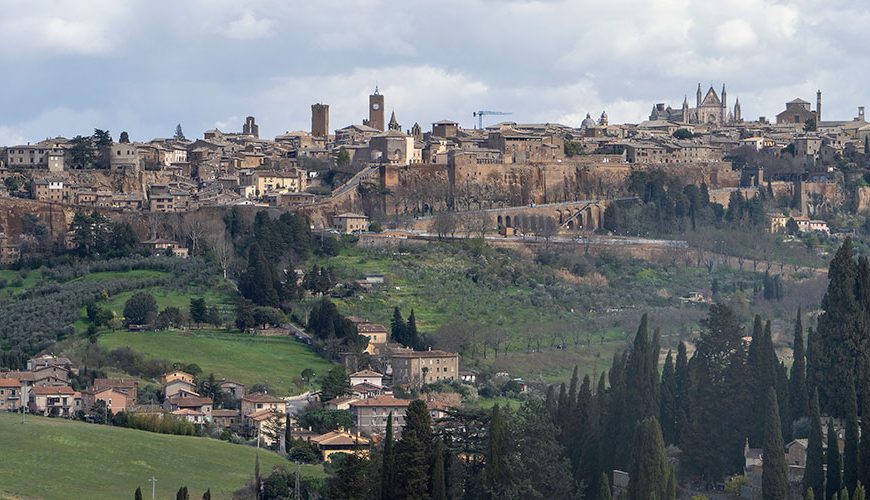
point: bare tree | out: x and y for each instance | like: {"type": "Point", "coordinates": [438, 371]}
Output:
{"type": "Point", "coordinates": [444, 224]}
{"type": "Point", "coordinates": [547, 228]}
{"type": "Point", "coordinates": [220, 244]}
{"type": "Point", "coordinates": [193, 227]}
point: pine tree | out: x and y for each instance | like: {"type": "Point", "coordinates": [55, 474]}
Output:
{"type": "Point", "coordinates": [800, 406]}
{"type": "Point", "coordinates": [604, 488]}
{"type": "Point", "coordinates": [412, 451]}
{"type": "Point", "coordinates": [859, 492]}
{"type": "Point", "coordinates": [642, 393]}
{"type": "Point", "coordinates": [672, 485]}
{"type": "Point", "coordinates": [810, 495]}
{"type": "Point", "coordinates": [814, 474]}
{"type": "Point", "coordinates": [834, 471]}
{"type": "Point", "coordinates": [844, 494]}
{"type": "Point", "coordinates": [762, 365]}
{"type": "Point", "coordinates": [774, 480]}
{"type": "Point", "coordinates": [850, 452]}
{"type": "Point", "coordinates": [649, 467]}
{"type": "Point", "coordinates": [388, 467]}
{"type": "Point", "coordinates": [182, 494]}
{"type": "Point", "coordinates": [573, 387]}
{"type": "Point", "coordinates": [138, 494]}
{"type": "Point", "coordinates": [207, 494]}
{"type": "Point", "coordinates": [667, 414]}
{"type": "Point", "coordinates": [439, 486]}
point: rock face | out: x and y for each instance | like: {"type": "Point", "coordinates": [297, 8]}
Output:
{"type": "Point", "coordinates": [862, 199]}
{"type": "Point", "coordinates": [56, 218]}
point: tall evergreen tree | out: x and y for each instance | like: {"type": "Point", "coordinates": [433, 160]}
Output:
{"type": "Point", "coordinates": [812, 348]}
{"type": "Point", "coordinates": [388, 467]}
{"type": "Point", "coordinates": [850, 451]}
{"type": "Point", "coordinates": [496, 471]}
{"type": "Point", "coordinates": [833, 478]}
{"type": "Point", "coordinates": [681, 385]}
{"type": "Point", "coordinates": [439, 485]}
{"type": "Point", "coordinates": [642, 392]}
{"type": "Point", "coordinates": [413, 336]}
{"type": "Point", "coordinates": [668, 412]}
{"type": "Point", "coordinates": [182, 494]}
{"type": "Point", "coordinates": [207, 494]}
{"type": "Point", "coordinates": [671, 490]}
{"type": "Point", "coordinates": [604, 488]}
{"type": "Point", "coordinates": [814, 473]}
{"type": "Point", "coordinates": [774, 480]}
{"type": "Point", "coordinates": [412, 451]}
{"type": "Point", "coordinates": [864, 445]}
{"type": "Point", "coordinates": [838, 333]}
{"type": "Point", "coordinates": [542, 460]}
{"type": "Point", "coordinates": [138, 494]}
{"type": "Point", "coordinates": [712, 440]}
{"type": "Point", "coordinates": [762, 365]}
{"type": "Point", "coordinates": [398, 328]}
{"type": "Point", "coordinates": [573, 387]}
{"type": "Point", "coordinates": [782, 394]}
{"type": "Point", "coordinates": [800, 405]}
{"type": "Point", "coordinates": [649, 467]}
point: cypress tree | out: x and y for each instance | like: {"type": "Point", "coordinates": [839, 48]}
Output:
{"type": "Point", "coordinates": [814, 474]}
{"type": "Point", "coordinates": [833, 474]}
{"type": "Point", "coordinates": [812, 349]}
{"type": "Point", "coordinates": [207, 494]}
{"type": "Point", "coordinates": [641, 391]}
{"type": "Point", "coordinates": [859, 492]}
{"type": "Point", "coordinates": [681, 387]}
{"type": "Point", "coordinates": [800, 406]}
{"type": "Point", "coordinates": [563, 410]}
{"type": "Point", "coordinates": [138, 494]}
{"type": "Point", "coordinates": [495, 472]}
{"type": "Point", "coordinates": [604, 488]}
{"type": "Point", "coordinates": [439, 486]}
{"type": "Point", "coordinates": [667, 413]}
{"type": "Point", "coordinates": [388, 467]}
{"type": "Point", "coordinates": [838, 332]}
{"type": "Point", "coordinates": [182, 494]}
{"type": "Point", "coordinates": [411, 333]}
{"type": "Point", "coordinates": [810, 495]}
{"type": "Point", "coordinates": [774, 480]}
{"type": "Point", "coordinates": [649, 466]}
{"type": "Point", "coordinates": [398, 329]}
{"type": "Point", "coordinates": [844, 494]}
{"type": "Point", "coordinates": [850, 451]}
{"type": "Point", "coordinates": [572, 390]}
{"type": "Point", "coordinates": [761, 363]}
{"type": "Point", "coordinates": [671, 489]}
{"type": "Point", "coordinates": [864, 445]}
{"type": "Point", "coordinates": [782, 394]}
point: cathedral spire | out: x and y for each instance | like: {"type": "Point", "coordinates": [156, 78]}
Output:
{"type": "Point", "coordinates": [699, 95]}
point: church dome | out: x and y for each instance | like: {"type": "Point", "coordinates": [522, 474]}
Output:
{"type": "Point", "coordinates": [588, 122]}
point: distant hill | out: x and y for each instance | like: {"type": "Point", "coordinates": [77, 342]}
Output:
{"type": "Point", "coordinates": [49, 458]}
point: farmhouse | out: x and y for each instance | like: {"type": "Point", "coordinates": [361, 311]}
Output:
{"type": "Point", "coordinates": [423, 367]}
{"type": "Point", "coordinates": [340, 441]}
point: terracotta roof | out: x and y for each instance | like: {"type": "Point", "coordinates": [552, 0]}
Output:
{"type": "Point", "coordinates": [189, 402]}
{"type": "Point", "coordinates": [407, 353]}
{"type": "Point", "coordinates": [261, 398]}
{"type": "Point", "coordinates": [10, 382]}
{"type": "Point", "coordinates": [365, 387]}
{"type": "Point", "coordinates": [263, 414]}
{"type": "Point", "coordinates": [225, 413]}
{"type": "Point", "coordinates": [382, 401]}
{"type": "Point", "coordinates": [187, 411]}
{"type": "Point", "coordinates": [53, 391]}
{"type": "Point", "coordinates": [340, 438]}
{"type": "Point", "coordinates": [371, 328]}
{"type": "Point", "coordinates": [118, 383]}
{"type": "Point", "coordinates": [365, 373]}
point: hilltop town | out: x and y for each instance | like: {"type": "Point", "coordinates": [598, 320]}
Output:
{"type": "Point", "coordinates": [505, 292]}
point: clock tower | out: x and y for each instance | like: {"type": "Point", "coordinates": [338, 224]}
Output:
{"type": "Point", "coordinates": [376, 110]}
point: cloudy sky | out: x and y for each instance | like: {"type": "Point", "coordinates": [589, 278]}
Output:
{"type": "Point", "coordinates": [145, 65]}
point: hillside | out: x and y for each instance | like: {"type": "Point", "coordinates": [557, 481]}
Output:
{"type": "Point", "coordinates": [59, 459]}
{"type": "Point", "coordinates": [275, 361]}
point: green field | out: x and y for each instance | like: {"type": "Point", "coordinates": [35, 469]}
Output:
{"type": "Point", "coordinates": [247, 359]}
{"type": "Point", "coordinates": [59, 459]}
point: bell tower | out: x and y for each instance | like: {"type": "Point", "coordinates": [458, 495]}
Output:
{"type": "Point", "coordinates": [376, 110]}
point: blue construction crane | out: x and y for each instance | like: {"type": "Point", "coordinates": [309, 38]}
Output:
{"type": "Point", "coordinates": [481, 114]}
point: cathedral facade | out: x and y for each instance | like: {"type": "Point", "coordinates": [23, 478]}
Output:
{"type": "Point", "coordinates": [712, 109]}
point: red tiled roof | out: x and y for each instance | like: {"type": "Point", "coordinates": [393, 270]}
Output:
{"type": "Point", "coordinates": [10, 382]}
{"type": "Point", "coordinates": [53, 391]}
{"type": "Point", "coordinates": [189, 402]}
{"type": "Point", "coordinates": [261, 398]}
{"type": "Point", "coordinates": [382, 401]}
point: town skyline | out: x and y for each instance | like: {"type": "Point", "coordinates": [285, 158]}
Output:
{"type": "Point", "coordinates": [92, 67]}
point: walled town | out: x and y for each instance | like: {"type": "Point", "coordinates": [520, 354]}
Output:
{"type": "Point", "coordinates": [383, 310]}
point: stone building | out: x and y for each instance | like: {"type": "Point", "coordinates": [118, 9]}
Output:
{"type": "Point", "coordinates": [798, 111]}
{"type": "Point", "coordinates": [711, 109]}
{"type": "Point", "coordinates": [376, 111]}
{"type": "Point", "coordinates": [320, 120]}
{"type": "Point", "coordinates": [423, 367]}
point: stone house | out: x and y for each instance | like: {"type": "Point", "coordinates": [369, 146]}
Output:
{"type": "Point", "coordinates": [349, 223]}
{"type": "Point", "coordinates": [59, 401]}
{"type": "Point", "coordinates": [366, 377]}
{"type": "Point", "coordinates": [198, 404]}
{"type": "Point", "coordinates": [370, 415]}
{"type": "Point", "coordinates": [11, 394]}
{"type": "Point", "coordinates": [423, 367]}
{"type": "Point", "coordinates": [251, 403]}
{"type": "Point", "coordinates": [340, 441]}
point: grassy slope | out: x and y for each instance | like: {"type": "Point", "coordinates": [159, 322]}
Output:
{"type": "Point", "coordinates": [247, 359]}
{"type": "Point", "coordinates": [58, 459]}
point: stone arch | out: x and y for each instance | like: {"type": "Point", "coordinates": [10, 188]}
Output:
{"type": "Point", "coordinates": [590, 220]}
{"type": "Point", "coordinates": [560, 217]}
{"type": "Point", "coordinates": [499, 221]}
{"type": "Point", "coordinates": [507, 221]}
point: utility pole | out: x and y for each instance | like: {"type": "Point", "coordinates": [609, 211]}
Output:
{"type": "Point", "coordinates": [23, 414]}
{"type": "Point", "coordinates": [153, 482]}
